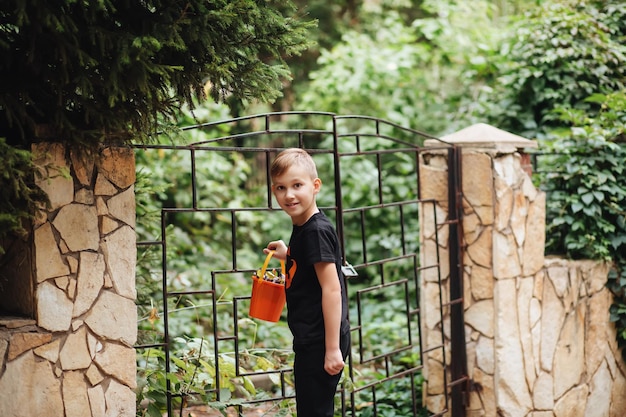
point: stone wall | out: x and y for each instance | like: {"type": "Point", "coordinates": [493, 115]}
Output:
{"type": "Point", "coordinates": [75, 357]}
{"type": "Point", "coordinates": [539, 339]}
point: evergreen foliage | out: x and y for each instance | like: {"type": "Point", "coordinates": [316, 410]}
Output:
{"type": "Point", "coordinates": [89, 70]}
{"type": "Point", "coordinates": [83, 72]}
{"type": "Point", "coordinates": [19, 196]}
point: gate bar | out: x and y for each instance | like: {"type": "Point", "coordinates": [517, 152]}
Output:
{"type": "Point", "coordinates": [458, 361]}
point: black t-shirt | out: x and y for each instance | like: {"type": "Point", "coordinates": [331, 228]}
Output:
{"type": "Point", "coordinates": [313, 242]}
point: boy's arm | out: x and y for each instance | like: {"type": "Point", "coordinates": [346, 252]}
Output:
{"type": "Point", "coordinates": [331, 308]}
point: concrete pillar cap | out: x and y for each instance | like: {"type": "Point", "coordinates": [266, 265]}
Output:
{"type": "Point", "coordinates": [484, 136]}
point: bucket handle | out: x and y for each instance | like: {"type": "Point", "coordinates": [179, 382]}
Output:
{"type": "Point", "coordinates": [266, 263]}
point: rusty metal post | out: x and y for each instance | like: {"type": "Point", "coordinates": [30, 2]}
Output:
{"type": "Point", "coordinates": [458, 362]}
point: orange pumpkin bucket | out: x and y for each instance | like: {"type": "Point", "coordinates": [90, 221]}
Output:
{"type": "Point", "coordinates": [268, 292]}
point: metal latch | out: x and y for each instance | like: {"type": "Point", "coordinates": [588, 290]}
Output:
{"type": "Point", "coordinates": [349, 271]}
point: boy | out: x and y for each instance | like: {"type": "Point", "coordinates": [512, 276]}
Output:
{"type": "Point", "coordinates": [317, 303]}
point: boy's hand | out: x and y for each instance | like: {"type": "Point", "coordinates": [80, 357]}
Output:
{"type": "Point", "coordinates": [279, 248]}
{"type": "Point", "coordinates": [333, 361]}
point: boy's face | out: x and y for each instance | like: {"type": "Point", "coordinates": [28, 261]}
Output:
{"type": "Point", "coordinates": [295, 193]}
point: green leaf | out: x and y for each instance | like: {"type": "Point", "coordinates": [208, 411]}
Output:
{"type": "Point", "coordinates": [249, 386]}
{"type": "Point", "coordinates": [587, 198]}
{"type": "Point", "coordinates": [576, 207]}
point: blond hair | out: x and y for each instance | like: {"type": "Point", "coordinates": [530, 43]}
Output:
{"type": "Point", "coordinates": [293, 157]}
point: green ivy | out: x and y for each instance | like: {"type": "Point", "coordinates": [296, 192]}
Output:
{"type": "Point", "coordinates": [586, 205]}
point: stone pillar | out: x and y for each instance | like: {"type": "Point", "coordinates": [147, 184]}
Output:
{"type": "Point", "coordinates": [76, 356]}
{"type": "Point", "coordinates": [539, 339]}
{"type": "Point", "coordinates": [500, 247]}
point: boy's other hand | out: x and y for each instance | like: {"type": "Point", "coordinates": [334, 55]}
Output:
{"type": "Point", "coordinates": [333, 361]}
{"type": "Point", "coordinates": [279, 247]}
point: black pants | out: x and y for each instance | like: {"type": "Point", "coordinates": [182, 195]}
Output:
{"type": "Point", "coordinates": [315, 388]}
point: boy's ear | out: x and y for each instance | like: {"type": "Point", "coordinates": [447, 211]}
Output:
{"type": "Point", "coordinates": [317, 185]}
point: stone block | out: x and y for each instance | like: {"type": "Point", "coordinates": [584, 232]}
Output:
{"type": "Point", "coordinates": [618, 399]}
{"type": "Point", "coordinates": [507, 167]}
{"type": "Point", "coordinates": [75, 396]}
{"type": "Point", "coordinates": [119, 362]}
{"type": "Point", "coordinates": [29, 387]}
{"type": "Point", "coordinates": [84, 196]}
{"type": "Point", "coordinates": [49, 351]}
{"type": "Point", "coordinates": [481, 283]}
{"type": "Point", "coordinates": [524, 302]}
{"type": "Point", "coordinates": [48, 259]}
{"type": "Point", "coordinates": [472, 227]}
{"type": "Point", "coordinates": [97, 401]}
{"type": "Point", "coordinates": [481, 317]}
{"type": "Point", "coordinates": [104, 187]}
{"type": "Point", "coordinates": [107, 225]}
{"type": "Point", "coordinates": [484, 384]}
{"type": "Point", "coordinates": [113, 317]}
{"type": "Point", "coordinates": [55, 180]}
{"type": "Point", "coordinates": [480, 252]}
{"type": "Point", "coordinates": [569, 356]}
{"type": "Point", "coordinates": [596, 334]}
{"type": "Point", "coordinates": [543, 392]}
{"type": "Point", "coordinates": [89, 281]}
{"type": "Point", "coordinates": [122, 206]}
{"type": "Point", "coordinates": [504, 205]}
{"type": "Point", "coordinates": [83, 165]}
{"type": "Point", "coordinates": [120, 400]}
{"type": "Point", "coordinates": [478, 180]}
{"type": "Point", "coordinates": [599, 401]}
{"type": "Point", "coordinates": [510, 382]}
{"type": "Point", "coordinates": [519, 217]}
{"type": "Point", "coordinates": [534, 245]}
{"type": "Point", "coordinates": [75, 353]}
{"type": "Point", "coordinates": [94, 376]}
{"type": "Point", "coordinates": [118, 166]}
{"type": "Point", "coordinates": [54, 309]}
{"type": "Point", "coordinates": [78, 226]}
{"type": "Point", "coordinates": [485, 359]}
{"type": "Point", "coordinates": [22, 342]}
{"type": "Point", "coordinates": [4, 346]}
{"type": "Point", "coordinates": [552, 319]}
{"type": "Point", "coordinates": [573, 403]}
{"type": "Point", "coordinates": [120, 252]}
{"type": "Point", "coordinates": [506, 261]}
{"type": "Point", "coordinates": [434, 184]}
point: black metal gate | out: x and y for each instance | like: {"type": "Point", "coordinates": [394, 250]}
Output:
{"type": "Point", "coordinates": [370, 173]}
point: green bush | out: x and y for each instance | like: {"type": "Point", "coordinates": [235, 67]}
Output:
{"type": "Point", "coordinates": [558, 55]}
{"type": "Point", "coordinates": [586, 204]}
